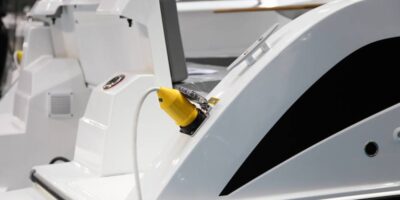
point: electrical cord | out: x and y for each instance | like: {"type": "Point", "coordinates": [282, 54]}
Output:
{"type": "Point", "coordinates": [135, 143]}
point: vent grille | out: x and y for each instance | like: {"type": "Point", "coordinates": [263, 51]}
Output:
{"type": "Point", "coordinates": [60, 105]}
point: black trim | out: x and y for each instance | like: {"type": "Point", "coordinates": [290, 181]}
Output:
{"type": "Point", "coordinates": [363, 84]}
{"type": "Point", "coordinates": [192, 127]}
{"type": "Point", "coordinates": [58, 159]}
{"type": "Point", "coordinates": [394, 197]}
{"type": "Point", "coordinates": [36, 180]}
{"type": "Point", "coordinates": [173, 41]}
{"type": "Point", "coordinates": [4, 41]}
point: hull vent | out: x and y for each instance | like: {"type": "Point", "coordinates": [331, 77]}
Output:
{"type": "Point", "coordinates": [60, 105]}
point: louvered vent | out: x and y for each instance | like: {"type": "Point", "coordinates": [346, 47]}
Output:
{"type": "Point", "coordinates": [60, 105]}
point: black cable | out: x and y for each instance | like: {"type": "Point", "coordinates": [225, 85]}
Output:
{"type": "Point", "coordinates": [57, 159]}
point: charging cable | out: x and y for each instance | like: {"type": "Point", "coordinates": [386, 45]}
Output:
{"type": "Point", "coordinates": [135, 142]}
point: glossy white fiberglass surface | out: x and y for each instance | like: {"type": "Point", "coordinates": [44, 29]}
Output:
{"type": "Point", "coordinates": [266, 89]}
{"type": "Point", "coordinates": [199, 167]}
{"type": "Point", "coordinates": [336, 167]}
{"type": "Point", "coordinates": [50, 7]}
{"type": "Point", "coordinates": [147, 15]}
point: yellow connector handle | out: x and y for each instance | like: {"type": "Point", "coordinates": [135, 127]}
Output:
{"type": "Point", "coordinates": [177, 106]}
{"type": "Point", "coordinates": [20, 55]}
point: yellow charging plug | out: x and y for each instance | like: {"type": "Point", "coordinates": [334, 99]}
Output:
{"type": "Point", "coordinates": [20, 55]}
{"type": "Point", "coordinates": [184, 113]}
{"type": "Point", "coordinates": [177, 106]}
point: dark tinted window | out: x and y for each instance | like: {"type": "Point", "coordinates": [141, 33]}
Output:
{"type": "Point", "coordinates": [361, 85]}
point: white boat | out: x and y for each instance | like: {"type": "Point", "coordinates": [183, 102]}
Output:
{"type": "Point", "coordinates": [40, 113]}
{"type": "Point", "coordinates": [220, 29]}
{"type": "Point", "coordinates": [309, 111]}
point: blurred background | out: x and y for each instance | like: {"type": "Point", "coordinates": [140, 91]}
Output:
{"type": "Point", "coordinates": [214, 32]}
{"type": "Point", "coordinates": [12, 21]}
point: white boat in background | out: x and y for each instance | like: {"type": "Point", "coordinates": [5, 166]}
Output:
{"type": "Point", "coordinates": [209, 29]}
{"type": "Point", "coordinates": [225, 28]}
